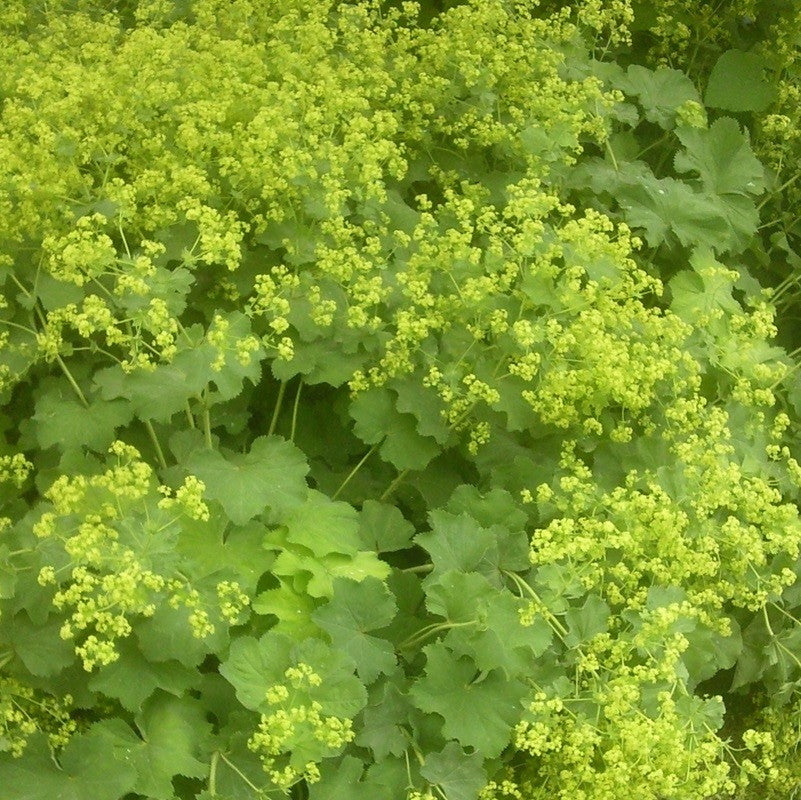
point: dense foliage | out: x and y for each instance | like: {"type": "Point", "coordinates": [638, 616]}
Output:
{"type": "Point", "coordinates": [399, 402]}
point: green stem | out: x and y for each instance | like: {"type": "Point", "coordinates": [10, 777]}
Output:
{"type": "Point", "coordinates": [419, 568]}
{"type": "Point", "coordinates": [780, 189]}
{"type": "Point", "coordinates": [560, 629]}
{"type": "Point", "coordinates": [355, 469]}
{"type": "Point", "coordinates": [240, 773]}
{"type": "Point", "coordinates": [295, 411]}
{"type": "Point", "coordinates": [278, 401]}
{"type": "Point", "coordinates": [155, 439]}
{"type": "Point", "coordinates": [71, 379]}
{"type": "Point", "coordinates": [430, 630]}
{"type": "Point", "coordinates": [206, 421]}
{"type": "Point", "coordinates": [392, 486]}
{"type": "Point", "coordinates": [189, 416]}
{"type": "Point", "coordinates": [215, 757]}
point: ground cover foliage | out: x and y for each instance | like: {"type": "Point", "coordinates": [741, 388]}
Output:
{"type": "Point", "coordinates": [399, 401]}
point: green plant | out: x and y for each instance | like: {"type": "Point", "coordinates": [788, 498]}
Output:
{"type": "Point", "coordinates": [389, 409]}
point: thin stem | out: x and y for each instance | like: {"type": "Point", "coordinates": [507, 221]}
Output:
{"type": "Point", "coordinates": [278, 401]}
{"type": "Point", "coordinates": [240, 773]}
{"type": "Point", "coordinates": [206, 421]}
{"type": "Point", "coordinates": [215, 757]}
{"type": "Point", "coordinates": [523, 586]}
{"type": "Point", "coordinates": [295, 411]}
{"type": "Point", "coordinates": [419, 568]}
{"type": "Point", "coordinates": [189, 416]}
{"type": "Point", "coordinates": [781, 188]}
{"type": "Point", "coordinates": [155, 439]}
{"type": "Point", "coordinates": [430, 630]}
{"type": "Point", "coordinates": [355, 469]}
{"type": "Point", "coordinates": [392, 486]}
{"type": "Point", "coordinates": [75, 387]}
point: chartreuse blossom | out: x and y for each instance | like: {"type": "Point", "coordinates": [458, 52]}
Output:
{"type": "Point", "coordinates": [111, 534]}
{"type": "Point", "coordinates": [25, 711]}
{"type": "Point", "coordinates": [292, 727]}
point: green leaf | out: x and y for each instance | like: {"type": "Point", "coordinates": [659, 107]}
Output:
{"type": "Point", "coordinates": [698, 292]}
{"type": "Point", "coordinates": [489, 629]}
{"type": "Point", "coordinates": [271, 475]}
{"type": "Point", "coordinates": [159, 394]}
{"type": "Point", "coordinates": [377, 420]}
{"type": "Point", "coordinates": [479, 710]}
{"type": "Point", "coordinates": [384, 720]}
{"type": "Point", "coordinates": [383, 528]}
{"type": "Point", "coordinates": [667, 205]}
{"type": "Point", "coordinates": [253, 666]}
{"type": "Point", "coordinates": [722, 157]}
{"type": "Point", "coordinates": [736, 83]}
{"type": "Point", "coordinates": [342, 780]}
{"type": "Point", "coordinates": [459, 775]}
{"type": "Point", "coordinates": [455, 542]}
{"type": "Point", "coordinates": [38, 646]}
{"type": "Point", "coordinates": [355, 609]}
{"type": "Point", "coordinates": [8, 573]}
{"type": "Point", "coordinates": [88, 768]}
{"type": "Point", "coordinates": [214, 547]}
{"type": "Point", "coordinates": [660, 92]}
{"type": "Point", "coordinates": [61, 420]}
{"type": "Point", "coordinates": [323, 526]}
{"type": "Point", "coordinates": [175, 741]}
{"type": "Point", "coordinates": [585, 622]}
{"type": "Point", "coordinates": [167, 636]}
{"type": "Point", "coordinates": [293, 610]}
{"type": "Point", "coordinates": [133, 678]}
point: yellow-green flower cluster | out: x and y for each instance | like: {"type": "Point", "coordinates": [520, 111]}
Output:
{"type": "Point", "coordinates": [110, 530]}
{"type": "Point", "coordinates": [24, 711]}
{"type": "Point", "coordinates": [15, 469]}
{"type": "Point", "coordinates": [622, 751]}
{"type": "Point", "coordinates": [294, 726]}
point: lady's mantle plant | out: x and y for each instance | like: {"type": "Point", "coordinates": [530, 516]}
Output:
{"type": "Point", "coordinates": [389, 410]}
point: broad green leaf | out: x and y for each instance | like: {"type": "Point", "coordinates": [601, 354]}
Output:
{"type": "Point", "coordinates": [486, 622]}
{"type": "Point", "coordinates": [585, 622]}
{"type": "Point", "coordinates": [8, 573]}
{"type": "Point", "coordinates": [167, 635]}
{"type": "Point", "coordinates": [159, 394]}
{"type": "Point", "coordinates": [384, 720]}
{"type": "Point", "coordinates": [383, 528]}
{"type": "Point", "coordinates": [293, 610]}
{"type": "Point", "coordinates": [699, 292]}
{"type": "Point", "coordinates": [175, 741]}
{"type": "Point", "coordinates": [722, 157]}
{"type": "Point", "coordinates": [61, 420]}
{"type": "Point", "coordinates": [271, 475]}
{"type": "Point", "coordinates": [455, 542]}
{"type": "Point", "coordinates": [667, 205]}
{"type": "Point", "coordinates": [88, 768]}
{"type": "Point", "coordinates": [37, 645]}
{"type": "Point", "coordinates": [133, 678]}
{"type": "Point", "coordinates": [459, 775]}
{"type": "Point", "coordinates": [660, 92]}
{"type": "Point", "coordinates": [355, 609]}
{"type": "Point", "coordinates": [425, 405]}
{"type": "Point", "coordinates": [479, 709]}
{"type": "Point", "coordinates": [323, 526]}
{"type": "Point", "coordinates": [214, 547]}
{"type": "Point", "coordinates": [254, 665]}
{"type": "Point", "coordinates": [342, 780]}
{"type": "Point", "coordinates": [377, 420]}
{"type": "Point", "coordinates": [737, 83]}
